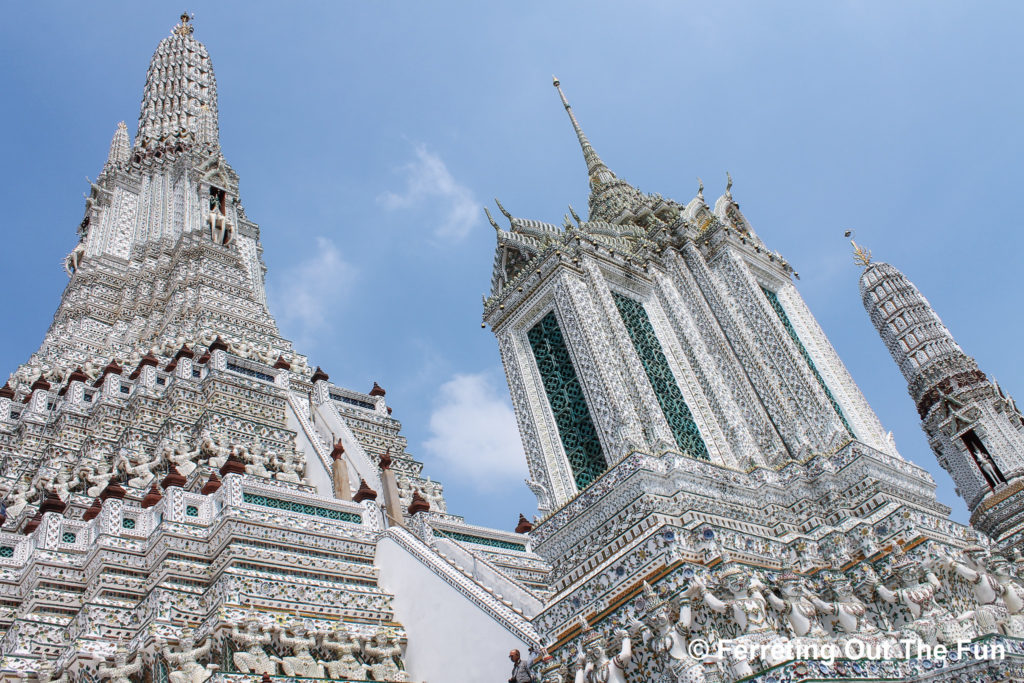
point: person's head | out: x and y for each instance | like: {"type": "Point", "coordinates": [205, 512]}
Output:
{"type": "Point", "coordinates": [514, 656]}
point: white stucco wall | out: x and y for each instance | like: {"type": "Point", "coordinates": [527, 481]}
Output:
{"type": "Point", "coordinates": [450, 639]}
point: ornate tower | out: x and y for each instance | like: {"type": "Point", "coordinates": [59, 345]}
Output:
{"type": "Point", "coordinates": [975, 430]}
{"type": "Point", "coordinates": [682, 411]}
{"type": "Point", "coordinates": [166, 249]}
{"type": "Point", "coordinates": [194, 487]}
{"type": "Point", "coordinates": [660, 327]}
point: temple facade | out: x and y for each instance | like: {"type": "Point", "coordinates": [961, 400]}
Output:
{"type": "Point", "coordinates": [187, 498]}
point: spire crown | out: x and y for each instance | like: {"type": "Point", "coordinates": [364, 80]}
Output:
{"type": "Point", "coordinates": [179, 101]}
{"type": "Point", "coordinates": [861, 256]}
{"type": "Point", "coordinates": [599, 173]}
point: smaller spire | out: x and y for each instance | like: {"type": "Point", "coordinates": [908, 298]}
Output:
{"type": "Point", "coordinates": [418, 504]}
{"type": "Point", "coordinates": [119, 147]}
{"type": "Point", "coordinates": [211, 485]}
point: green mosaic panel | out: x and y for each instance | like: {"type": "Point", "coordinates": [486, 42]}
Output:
{"type": "Point", "coordinates": [292, 506]}
{"type": "Point", "coordinates": [773, 299]}
{"type": "Point", "coordinates": [68, 537]}
{"type": "Point", "coordinates": [575, 428]}
{"type": "Point", "coordinates": [128, 523]}
{"type": "Point", "coordinates": [6, 551]}
{"type": "Point", "coordinates": [666, 389]}
{"type": "Point", "coordinates": [191, 511]}
{"type": "Point", "coordinates": [479, 540]}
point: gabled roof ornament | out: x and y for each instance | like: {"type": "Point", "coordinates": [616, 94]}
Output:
{"type": "Point", "coordinates": [502, 209]}
{"type": "Point", "coordinates": [490, 219]}
{"type": "Point", "coordinates": [700, 189]}
{"type": "Point", "coordinates": [575, 216]}
{"type": "Point", "coordinates": [728, 185]}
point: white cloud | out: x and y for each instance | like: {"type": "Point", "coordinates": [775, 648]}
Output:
{"type": "Point", "coordinates": [429, 180]}
{"type": "Point", "coordinates": [474, 433]}
{"type": "Point", "coordinates": [307, 295]}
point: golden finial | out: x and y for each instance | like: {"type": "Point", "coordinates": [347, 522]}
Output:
{"type": "Point", "coordinates": [861, 256]}
{"type": "Point", "coordinates": [183, 29]}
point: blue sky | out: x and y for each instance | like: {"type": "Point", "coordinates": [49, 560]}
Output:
{"type": "Point", "coordinates": [369, 135]}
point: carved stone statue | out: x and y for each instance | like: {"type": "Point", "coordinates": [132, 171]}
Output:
{"type": "Point", "coordinates": [65, 484]}
{"type": "Point", "coordinates": [45, 673]}
{"type": "Point", "coordinates": [252, 637]}
{"type": "Point", "coordinates": [181, 457]}
{"type": "Point", "coordinates": [214, 450]}
{"type": "Point", "coordinates": [748, 609]}
{"type": "Point", "coordinates": [287, 468]}
{"type": "Point", "coordinates": [989, 468]}
{"type": "Point", "coordinates": [1011, 590]}
{"type": "Point", "coordinates": [18, 499]}
{"type": "Point", "coordinates": [98, 476]}
{"type": "Point", "coordinates": [384, 656]}
{"type": "Point", "coordinates": [668, 641]}
{"type": "Point", "coordinates": [918, 586]}
{"type": "Point", "coordinates": [796, 607]}
{"type": "Point", "coordinates": [851, 614]}
{"type": "Point", "coordinates": [257, 461]}
{"type": "Point", "coordinates": [593, 664]}
{"type": "Point", "coordinates": [990, 612]}
{"type": "Point", "coordinates": [73, 261]}
{"type": "Point", "coordinates": [344, 645]}
{"type": "Point", "coordinates": [301, 662]}
{"type": "Point", "coordinates": [184, 664]}
{"type": "Point", "coordinates": [143, 471]}
{"type": "Point", "coordinates": [121, 670]}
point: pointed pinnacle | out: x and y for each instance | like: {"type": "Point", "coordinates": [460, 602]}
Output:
{"type": "Point", "coordinates": [594, 163]}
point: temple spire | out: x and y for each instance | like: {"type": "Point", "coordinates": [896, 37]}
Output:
{"type": "Point", "coordinates": [599, 173]}
{"type": "Point", "coordinates": [119, 147]}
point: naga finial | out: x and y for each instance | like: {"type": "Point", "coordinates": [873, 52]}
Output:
{"type": "Point", "coordinates": [700, 189]}
{"type": "Point", "coordinates": [490, 218]}
{"type": "Point", "coordinates": [575, 216]}
{"type": "Point", "coordinates": [728, 185]}
{"type": "Point", "coordinates": [502, 209]}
